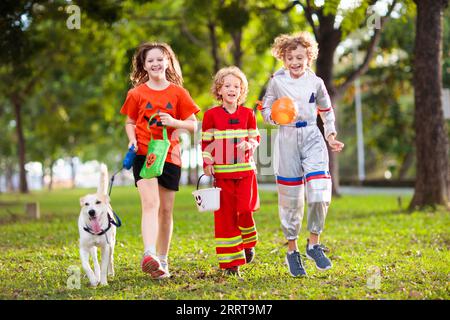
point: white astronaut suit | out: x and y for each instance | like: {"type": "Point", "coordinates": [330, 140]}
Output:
{"type": "Point", "coordinates": [300, 153]}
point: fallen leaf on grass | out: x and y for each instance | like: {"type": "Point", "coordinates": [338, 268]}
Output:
{"type": "Point", "coordinates": [408, 253]}
{"type": "Point", "coordinates": [190, 287]}
{"type": "Point", "coordinates": [415, 294]}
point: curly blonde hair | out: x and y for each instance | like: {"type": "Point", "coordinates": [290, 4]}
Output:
{"type": "Point", "coordinates": [285, 42]}
{"type": "Point", "coordinates": [139, 75]}
{"type": "Point", "coordinates": [219, 80]}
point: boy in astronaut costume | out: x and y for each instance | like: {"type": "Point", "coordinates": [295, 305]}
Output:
{"type": "Point", "coordinates": [300, 155]}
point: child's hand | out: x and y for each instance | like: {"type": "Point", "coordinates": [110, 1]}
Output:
{"type": "Point", "coordinates": [167, 120]}
{"type": "Point", "coordinates": [244, 145]}
{"type": "Point", "coordinates": [335, 145]}
{"type": "Point", "coordinates": [251, 145]}
{"type": "Point", "coordinates": [209, 170]}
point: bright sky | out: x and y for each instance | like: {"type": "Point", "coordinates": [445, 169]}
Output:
{"type": "Point", "coordinates": [380, 6]}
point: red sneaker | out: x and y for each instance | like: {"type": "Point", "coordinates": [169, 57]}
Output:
{"type": "Point", "coordinates": [150, 264]}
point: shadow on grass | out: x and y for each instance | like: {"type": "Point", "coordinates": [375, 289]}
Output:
{"type": "Point", "coordinates": [382, 213]}
{"type": "Point", "coordinates": [22, 218]}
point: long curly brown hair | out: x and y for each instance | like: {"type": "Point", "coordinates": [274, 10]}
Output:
{"type": "Point", "coordinates": [139, 75]}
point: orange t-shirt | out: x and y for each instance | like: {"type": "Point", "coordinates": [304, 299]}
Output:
{"type": "Point", "coordinates": [142, 102]}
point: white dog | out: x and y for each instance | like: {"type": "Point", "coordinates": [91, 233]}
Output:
{"type": "Point", "coordinates": [97, 229]}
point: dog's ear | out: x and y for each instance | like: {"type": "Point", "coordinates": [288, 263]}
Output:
{"type": "Point", "coordinates": [82, 201]}
{"type": "Point", "coordinates": [104, 198]}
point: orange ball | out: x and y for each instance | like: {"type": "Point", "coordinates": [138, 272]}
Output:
{"type": "Point", "coordinates": [283, 110]}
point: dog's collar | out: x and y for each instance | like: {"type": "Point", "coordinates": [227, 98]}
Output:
{"type": "Point", "coordinates": [110, 222]}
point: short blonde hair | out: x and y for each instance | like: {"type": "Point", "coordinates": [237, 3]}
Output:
{"type": "Point", "coordinates": [219, 80]}
{"type": "Point", "coordinates": [285, 42]}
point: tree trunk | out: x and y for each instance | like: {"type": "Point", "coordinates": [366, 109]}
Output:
{"type": "Point", "coordinates": [328, 40]}
{"type": "Point", "coordinates": [192, 171]}
{"type": "Point", "coordinates": [408, 160]}
{"type": "Point", "coordinates": [431, 187]}
{"type": "Point", "coordinates": [73, 173]}
{"type": "Point", "coordinates": [50, 182]}
{"type": "Point", "coordinates": [9, 173]}
{"type": "Point", "coordinates": [237, 48]}
{"type": "Point", "coordinates": [214, 45]}
{"type": "Point", "coordinates": [17, 103]}
{"type": "Point", "coordinates": [43, 176]}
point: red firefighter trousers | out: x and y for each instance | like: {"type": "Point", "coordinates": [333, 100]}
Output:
{"type": "Point", "coordinates": [235, 228]}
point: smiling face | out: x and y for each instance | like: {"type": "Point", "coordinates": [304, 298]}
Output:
{"type": "Point", "coordinates": [94, 207]}
{"type": "Point", "coordinates": [198, 199]}
{"type": "Point", "coordinates": [155, 64]}
{"type": "Point", "coordinates": [230, 90]}
{"type": "Point", "coordinates": [296, 61]}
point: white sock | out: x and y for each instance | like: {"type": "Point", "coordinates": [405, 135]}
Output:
{"type": "Point", "coordinates": [310, 246]}
{"type": "Point", "coordinates": [291, 252]}
{"type": "Point", "coordinates": [162, 258]}
{"type": "Point", "coordinates": [151, 248]}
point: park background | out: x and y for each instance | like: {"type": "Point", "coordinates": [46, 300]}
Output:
{"type": "Point", "coordinates": [65, 73]}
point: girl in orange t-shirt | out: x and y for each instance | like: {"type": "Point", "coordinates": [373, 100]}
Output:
{"type": "Point", "coordinates": [157, 81]}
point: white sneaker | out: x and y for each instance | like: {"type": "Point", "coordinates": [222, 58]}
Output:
{"type": "Point", "coordinates": [165, 267]}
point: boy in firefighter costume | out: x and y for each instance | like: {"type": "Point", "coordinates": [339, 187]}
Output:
{"type": "Point", "coordinates": [229, 139]}
{"type": "Point", "coordinates": [301, 160]}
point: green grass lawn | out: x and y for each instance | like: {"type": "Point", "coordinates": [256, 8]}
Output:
{"type": "Point", "coordinates": [378, 251]}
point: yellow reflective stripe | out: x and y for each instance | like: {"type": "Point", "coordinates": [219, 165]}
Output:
{"type": "Point", "coordinates": [223, 168]}
{"type": "Point", "coordinates": [224, 245]}
{"type": "Point", "coordinates": [253, 133]}
{"type": "Point", "coordinates": [251, 239]}
{"type": "Point", "coordinates": [228, 240]}
{"type": "Point", "coordinates": [230, 134]}
{"type": "Point", "coordinates": [247, 230]}
{"type": "Point", "coordinates": [232, 170]}
{"type": "Point", "coordinates": [208, 155]}
{"type": "Point", "coordinates": [230, 131]}
{"type": "Point", "coordinates": [228, 257]}
{"type": "Point", "coordinates": [207, 136]}
{"type": "Point", "coordinates": [231, 242]}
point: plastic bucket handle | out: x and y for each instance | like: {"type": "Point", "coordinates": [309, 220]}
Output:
{"type": "Point", "coordinates": [214, 180]}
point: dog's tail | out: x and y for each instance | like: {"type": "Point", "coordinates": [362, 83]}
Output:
{"type": "Point", "coordinates": [103, 185]}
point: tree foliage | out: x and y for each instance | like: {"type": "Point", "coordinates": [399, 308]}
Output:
{"type": "Point", "coordinates": [72, 83]}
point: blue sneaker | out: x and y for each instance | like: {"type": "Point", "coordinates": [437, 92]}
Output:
{"type": "Point", "coordinates": [295, 264]}
{"type": "Point", "coordinates": [318, 256]}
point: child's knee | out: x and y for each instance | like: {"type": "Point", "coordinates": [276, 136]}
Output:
{"type": "Point", "coordinates": [165, 212]}
{"type": "Point", "coordinates": [318, 190]}
{"type": "Point", "coordinates": [150, 203]}
{"type": "Point", "coordinates": [291, 197]}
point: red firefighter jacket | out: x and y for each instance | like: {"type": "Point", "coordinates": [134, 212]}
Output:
{"type": "Point", "coordinates": [221, 133]}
